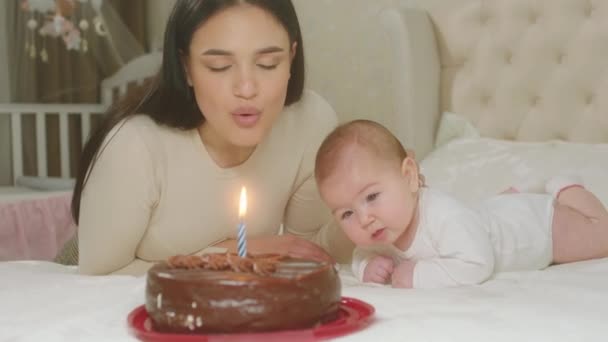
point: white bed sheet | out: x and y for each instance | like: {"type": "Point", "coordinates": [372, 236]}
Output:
{"type": "Point", "coordinates": [42, 301]}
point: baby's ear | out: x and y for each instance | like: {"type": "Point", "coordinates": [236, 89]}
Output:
{"type": "Point", "coordinates": [409, 170]}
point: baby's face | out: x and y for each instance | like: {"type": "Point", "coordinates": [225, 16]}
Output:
{"type": "Point", "coordinates": [373, 200]}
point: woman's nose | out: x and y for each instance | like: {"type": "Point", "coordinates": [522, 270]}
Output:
{"type": "Point", "coordinates": [246, 85]}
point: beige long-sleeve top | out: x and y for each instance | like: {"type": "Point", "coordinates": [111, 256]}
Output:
{"type": "Point", "coordinates": [155, 192]}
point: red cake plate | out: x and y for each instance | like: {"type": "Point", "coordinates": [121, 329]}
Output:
{"type": "Point", "coordinates": [354, 315]}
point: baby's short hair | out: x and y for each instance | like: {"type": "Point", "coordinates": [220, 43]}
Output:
{"type": "Point", "coordinates": [366, 134]}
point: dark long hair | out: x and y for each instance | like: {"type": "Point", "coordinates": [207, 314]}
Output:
{"type": "Point", "coordinates": [168, 99]}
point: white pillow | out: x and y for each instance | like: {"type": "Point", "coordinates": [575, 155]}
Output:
{"type": "Point", "coordinates": [472, 168]}
{"type": "Point", "coordinates": [453, 126]}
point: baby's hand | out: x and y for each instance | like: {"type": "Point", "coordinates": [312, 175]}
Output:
{"type": "Point", "coordinates": [379, 270]}
{"type": "Point", "coordinates": [404, 274]}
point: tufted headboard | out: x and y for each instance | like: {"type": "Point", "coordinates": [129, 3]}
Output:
{"type": "Point", "coordinates": [517, 69]}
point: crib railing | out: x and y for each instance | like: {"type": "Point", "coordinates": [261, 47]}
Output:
{"type": "Point", "coordinates": [134, 74]}
{"type": "Point", "coordinates": [16, 112]}
{"type": "Point", "coordinates": [139, 71]}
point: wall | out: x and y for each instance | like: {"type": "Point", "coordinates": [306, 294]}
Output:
{"type": "Point", "coordinates": [158, 11]}
{"type": "Point", "coordinates": [346, 55]}
{"type": "Point", "coordinates": [5, 156]}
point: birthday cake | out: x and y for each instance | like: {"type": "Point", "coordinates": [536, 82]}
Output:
{"type": "Point", "coordinates": [224, 293]}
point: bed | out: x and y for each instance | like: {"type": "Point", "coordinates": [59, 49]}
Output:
{"type": "Point", "coordinates": [35, 217]}
{"type": "Point", "coordinates": [488, 93]}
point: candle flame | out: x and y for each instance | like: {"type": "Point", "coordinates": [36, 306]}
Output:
{"type": "Point", "coordinates": [243, 203]}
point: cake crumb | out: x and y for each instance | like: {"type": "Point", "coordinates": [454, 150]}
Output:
{"type": "Point", "coordinates": [190, 322]}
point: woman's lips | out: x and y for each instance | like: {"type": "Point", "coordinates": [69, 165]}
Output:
{"type": "Point", "coordinates": [378, 234]}
{"type": "Point", "coordinates": [246, 117]}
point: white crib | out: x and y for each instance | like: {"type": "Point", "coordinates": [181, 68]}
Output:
{"type": "Point", "coordinates": [35, 214]}
{"type": "Point", "coordinates": [132, 74]}
{"type": "Point", "coordinates": [17, 112]}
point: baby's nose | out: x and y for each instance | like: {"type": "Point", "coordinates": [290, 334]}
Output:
{"type": "Point", "coordinates": [366, 219]}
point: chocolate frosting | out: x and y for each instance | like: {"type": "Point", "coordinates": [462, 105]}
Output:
{"type": "Point", "coordinates": [263, 265]}
{"type": "Point", "coordinates": [221, 293]}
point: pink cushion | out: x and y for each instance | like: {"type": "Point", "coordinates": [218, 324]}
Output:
{"type": "Point", "coordinates": [35, 228]}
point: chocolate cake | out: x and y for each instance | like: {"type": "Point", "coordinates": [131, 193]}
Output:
{"type": "Point", "coordinates": [224, 293]}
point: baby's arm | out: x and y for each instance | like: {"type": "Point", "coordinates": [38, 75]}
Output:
{"type": "Point", "coordinates": [403, 275]}
{"type": "Point", "coordinates": [379, 270]}
{"type": "Point", "coordinates": [465, 254]}
{"type": "Point", "coordinates": [368, 266]}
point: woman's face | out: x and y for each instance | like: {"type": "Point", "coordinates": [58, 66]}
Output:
{"type": "Point", "coordinates": [239, 65]}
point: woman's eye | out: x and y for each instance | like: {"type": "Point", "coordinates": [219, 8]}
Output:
{"type": "Point", "coordinates": [372, 197]}
{"type": "Point", "coordinates": [268, 67]}
{"type": "Point", "coordinates": [346, 215]}
{"type": "Point", "coordinates": [219, 69]}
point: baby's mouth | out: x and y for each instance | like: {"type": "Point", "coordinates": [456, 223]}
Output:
{"type": "Point", "coordinates": [378, 234]}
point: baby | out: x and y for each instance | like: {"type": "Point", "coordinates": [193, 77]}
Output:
{"type": "Point", "coordinates": [409, 235]}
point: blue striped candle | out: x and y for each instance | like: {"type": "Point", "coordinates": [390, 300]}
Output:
{"type": "Point", "coordinates": [242, 232]}
{"type": "Point", "coordinates": [242, 240]}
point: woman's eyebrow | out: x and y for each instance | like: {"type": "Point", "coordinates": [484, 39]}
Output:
{"type": "Point", "coordinates": [216, 52]}
{"type": "Point", "coordinates": [220, 52]}
{"type": "Point", "coordinates": [270, 49]}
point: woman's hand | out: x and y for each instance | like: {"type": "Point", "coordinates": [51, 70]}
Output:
{"type": "Point", "coordinates": [378, 270]}
{"type": "Point", "coordinates": [293, 246]}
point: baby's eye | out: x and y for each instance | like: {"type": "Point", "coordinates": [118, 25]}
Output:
{"type": "Point", "coordinates": [346, 215]}
{"type": "Point", "coordinates": [372, 197]}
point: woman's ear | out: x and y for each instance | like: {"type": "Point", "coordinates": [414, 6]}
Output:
{"type": "Point", "coordinates": [409, 170]}
{"type": "Point", "coordinates": [292, 52]}
{"type": "Point", "coordinates": [186, 66]}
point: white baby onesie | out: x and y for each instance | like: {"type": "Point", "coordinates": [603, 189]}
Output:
{"type": "Point", "coordinates": [456, 244]}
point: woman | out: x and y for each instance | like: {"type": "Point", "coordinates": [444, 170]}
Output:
{"type": "Point", "coordinates": [227, 110]}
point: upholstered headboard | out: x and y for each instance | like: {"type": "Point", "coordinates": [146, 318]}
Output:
{"type": "Point", "coordinates": [517, 69]}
